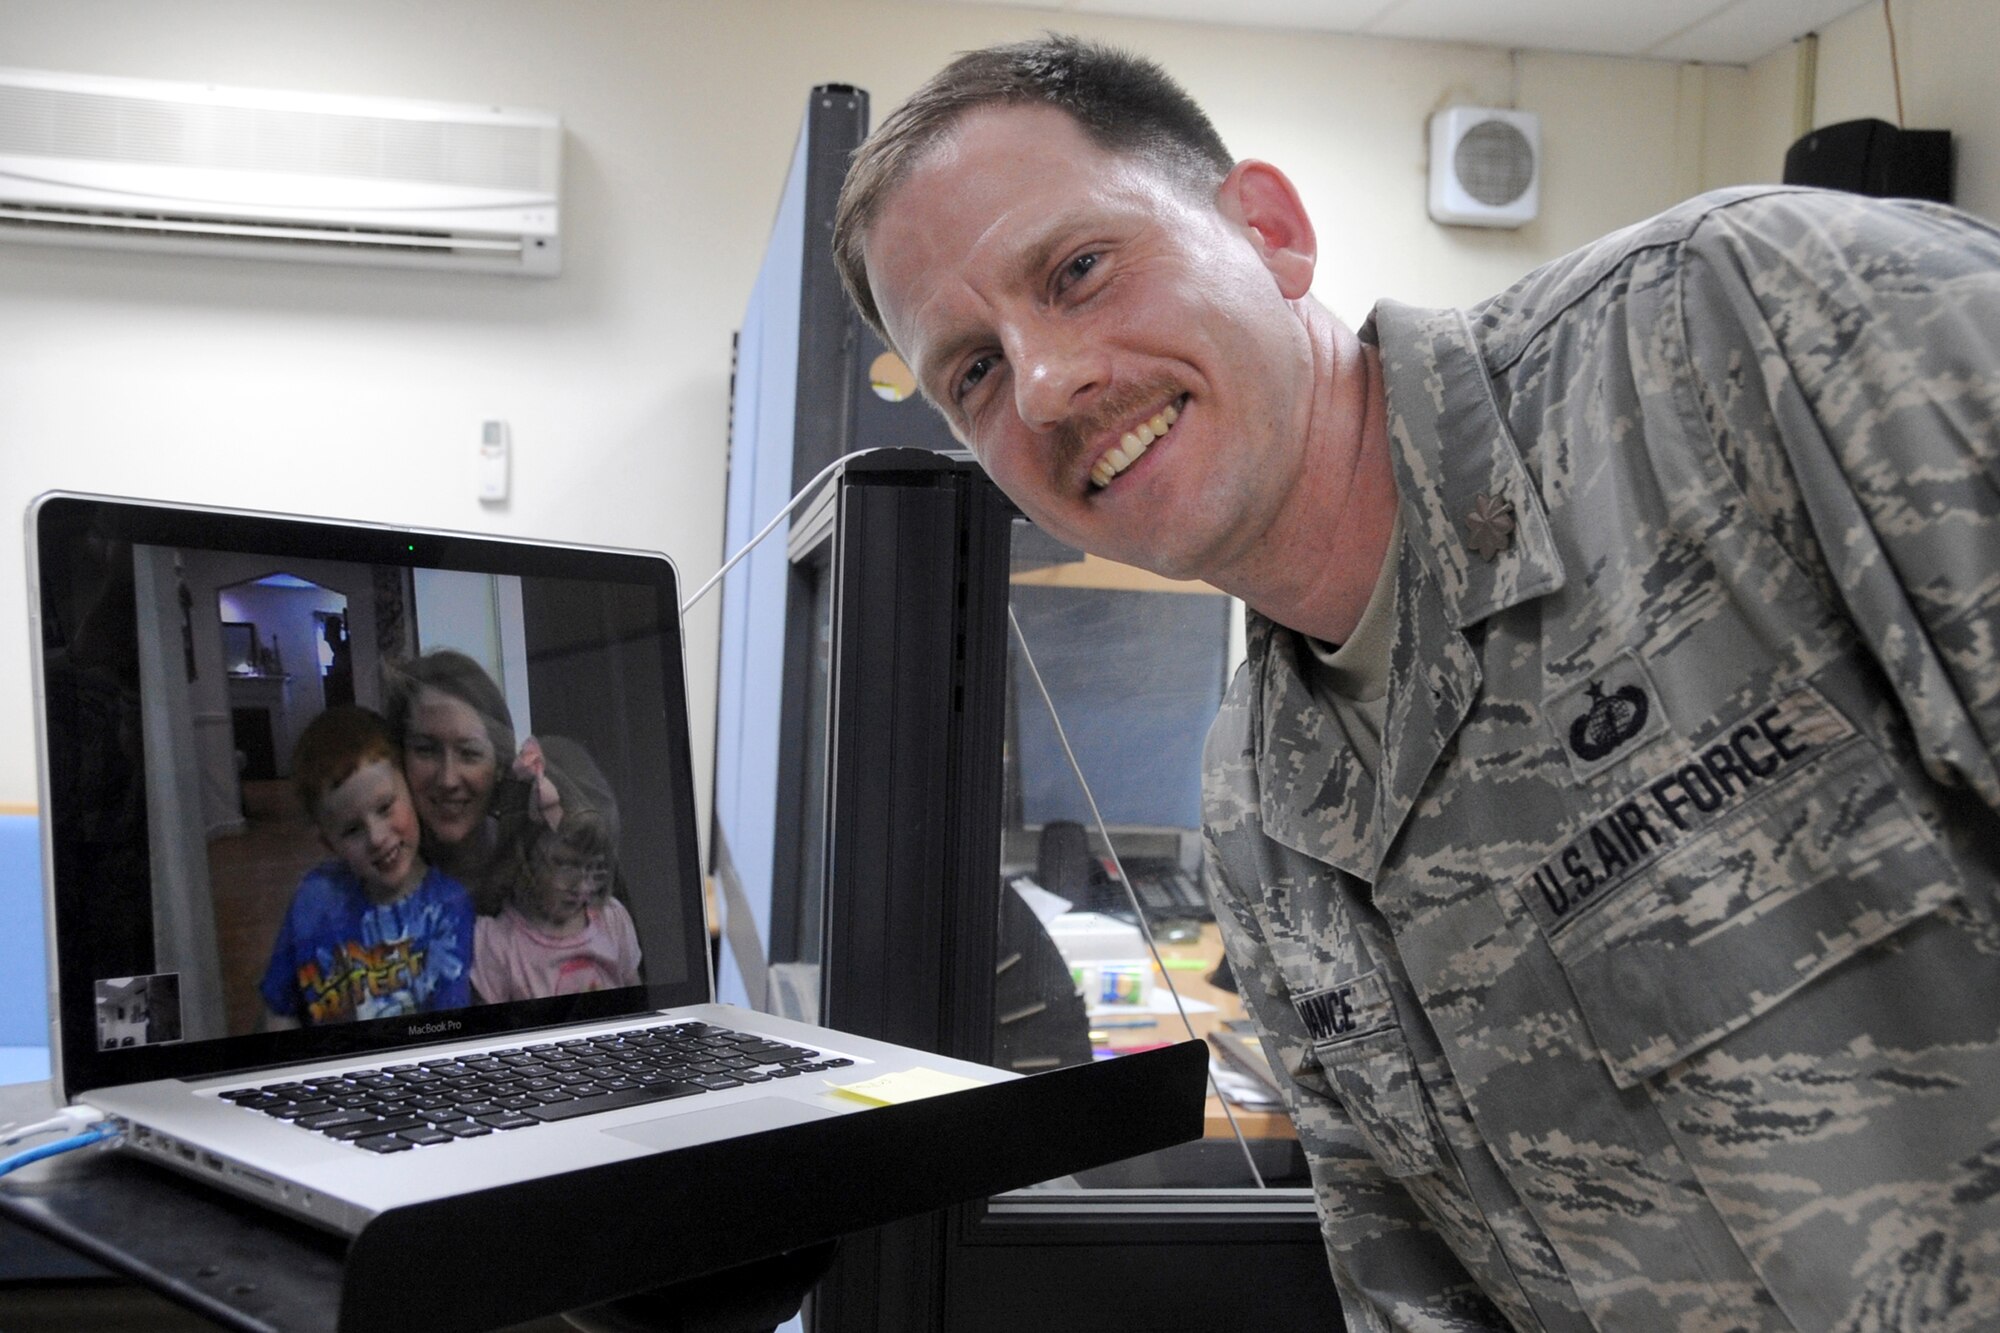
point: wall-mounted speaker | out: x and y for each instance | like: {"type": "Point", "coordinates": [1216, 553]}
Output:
{"type": "Point", "coordinates": [1874, 157]}
{"type": "Point", "coordinates": [1486, 166]}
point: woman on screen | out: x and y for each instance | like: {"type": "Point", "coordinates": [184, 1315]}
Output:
{"type": "Point", "coordinates": [466, 775]}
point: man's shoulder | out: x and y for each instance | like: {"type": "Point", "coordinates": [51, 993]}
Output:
{"type": "Point", "coordinates": [1508, 321]}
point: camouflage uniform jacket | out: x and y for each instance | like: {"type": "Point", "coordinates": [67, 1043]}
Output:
{"type": "Point", "coordinates": [1654, 981]}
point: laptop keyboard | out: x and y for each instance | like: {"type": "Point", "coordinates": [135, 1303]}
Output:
{"type": "Point", "coordinates": [404, 1106]}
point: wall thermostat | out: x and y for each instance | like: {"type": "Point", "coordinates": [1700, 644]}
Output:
{"type": "Point", "coordinates": [493, 451]}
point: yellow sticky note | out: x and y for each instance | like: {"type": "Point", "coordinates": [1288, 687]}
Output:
{"type": "Point", "coordinates": [907, 1086]}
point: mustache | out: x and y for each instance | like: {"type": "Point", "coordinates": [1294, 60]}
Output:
{"type": "Point", "coordinates": [1076, 434]}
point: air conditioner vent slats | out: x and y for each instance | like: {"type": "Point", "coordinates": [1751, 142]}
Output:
{"type": "Point", "coordinates": [197, 169]}
{"type": "Point", "coordinates": [105, 223]}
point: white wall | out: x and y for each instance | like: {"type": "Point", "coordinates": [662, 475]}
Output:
{"type": "Point", "coordinates": [1945, 50]}
{"type": "Point", "coordinates": [359, 393]}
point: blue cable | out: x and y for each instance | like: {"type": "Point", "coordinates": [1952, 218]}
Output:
{"type": "Point", "coordinates": [95, 1134]}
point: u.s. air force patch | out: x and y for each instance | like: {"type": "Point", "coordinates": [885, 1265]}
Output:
{"type": "Point", "coordinates": [1743, 762]}
{"type": "Point", "coordinates": [1606, 717]}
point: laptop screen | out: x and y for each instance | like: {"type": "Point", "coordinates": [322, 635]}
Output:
{"type": "Point", "coordinates": [318, 789]}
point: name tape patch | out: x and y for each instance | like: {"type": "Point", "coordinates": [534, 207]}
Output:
{"type": "Point", "coordinates": [1349, 1009]}
{"type": "Point", "coordinates": [1329, 1014]}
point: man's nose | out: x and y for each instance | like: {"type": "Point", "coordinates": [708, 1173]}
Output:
{"type": "Point", "coordinates": [1055, 371]}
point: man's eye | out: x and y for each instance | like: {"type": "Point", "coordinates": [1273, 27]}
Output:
{"type": "Point", "coordinates": [974, 373]}
{"type": "Point", "coordinates": [1076, 269]}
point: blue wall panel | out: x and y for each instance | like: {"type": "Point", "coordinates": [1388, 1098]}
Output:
{"type": "Point", "coordinates": [24, 977]}
{"type": "Point", "coordinates": [753, 607]}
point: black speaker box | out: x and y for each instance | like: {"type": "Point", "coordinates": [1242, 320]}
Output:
{"type": "Point", "coordinates": [1874, 157]}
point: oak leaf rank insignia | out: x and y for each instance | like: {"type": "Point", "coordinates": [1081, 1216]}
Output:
{"type": "Point", "coordinates": [1490, 526]}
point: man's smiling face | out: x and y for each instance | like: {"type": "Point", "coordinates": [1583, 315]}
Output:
{"type": "Point", "coordinates": [1123, 359]}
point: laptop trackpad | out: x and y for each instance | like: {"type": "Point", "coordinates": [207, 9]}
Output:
{"type": "Point", "coordinates": [724, 1122]}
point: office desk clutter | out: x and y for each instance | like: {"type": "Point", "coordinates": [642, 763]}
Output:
{"type": "Point", "coordinates": [1107, 988]}
{"type": "Point", "coordinates": [1108, 961]}
{"type": "Point", "coordinates": [1106, 854]}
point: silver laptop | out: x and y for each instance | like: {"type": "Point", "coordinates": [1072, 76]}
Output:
{"type": "Point", "coordinates": [335, 981]}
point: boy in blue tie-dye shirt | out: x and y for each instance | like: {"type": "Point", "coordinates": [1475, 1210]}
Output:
{"type": "Point", "coordinates": [377, 933]}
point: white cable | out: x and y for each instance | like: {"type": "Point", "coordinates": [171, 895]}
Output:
{"type": "Point", "coordinates": [1061, 735]}
{"type": "Point", "coordinates": [1145, 931]}
{"type": "Point", "coordinates": [71, 1118]}
{"type": "Point", "coordinates": [766, 530]}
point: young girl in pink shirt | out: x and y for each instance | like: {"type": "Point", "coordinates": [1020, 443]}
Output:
{"type": "Point", "coordinates": [560, 931]}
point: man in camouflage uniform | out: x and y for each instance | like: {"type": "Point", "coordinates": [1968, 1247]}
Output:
{"type": "Point", "coordinates": [1628, 922]}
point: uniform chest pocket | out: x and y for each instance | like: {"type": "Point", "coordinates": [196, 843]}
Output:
{"type": "Point", "coordinates": [1768, 867]}
{"type": "Point", "coordinates": [1368, 1065]}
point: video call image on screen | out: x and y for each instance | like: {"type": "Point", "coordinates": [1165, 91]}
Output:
{"type": "Point", "coordinates": [375, 792]}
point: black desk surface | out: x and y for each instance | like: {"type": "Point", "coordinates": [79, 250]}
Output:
{"type": "Point", "coordinates": [242, 1267]}
{"type": "Point", "coordinates": [471, 1263]}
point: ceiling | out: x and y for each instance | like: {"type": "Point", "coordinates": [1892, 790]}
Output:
{"type": "Point", "coordinates": [1732, 32]}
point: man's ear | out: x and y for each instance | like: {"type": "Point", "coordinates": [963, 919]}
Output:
{"type": "Point", "coordinates": [1259, 198]}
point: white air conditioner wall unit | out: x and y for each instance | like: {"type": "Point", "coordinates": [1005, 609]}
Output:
{"type": "Point", "coordinates": [194, 169]}
{"type": "Point", "coordinates": [1486, 166]}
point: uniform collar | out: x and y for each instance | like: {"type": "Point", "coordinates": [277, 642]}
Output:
{"type": "Point", "coordinates": [1450, 446]}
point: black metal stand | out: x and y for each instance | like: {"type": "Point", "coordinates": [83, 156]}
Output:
{"type": "Point", "coordinates": [592, 1240]}
{"type": "Point", "coordinates": [755, 1298]}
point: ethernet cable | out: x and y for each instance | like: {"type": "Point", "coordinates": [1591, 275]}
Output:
{"type": "Point", "coordinates": [72, 1118]}
{"type": "Point", "coordinates": [95, 1134]}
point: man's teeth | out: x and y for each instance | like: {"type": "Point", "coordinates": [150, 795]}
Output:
{"type": "Point", "coordinates": [1135, 442]}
